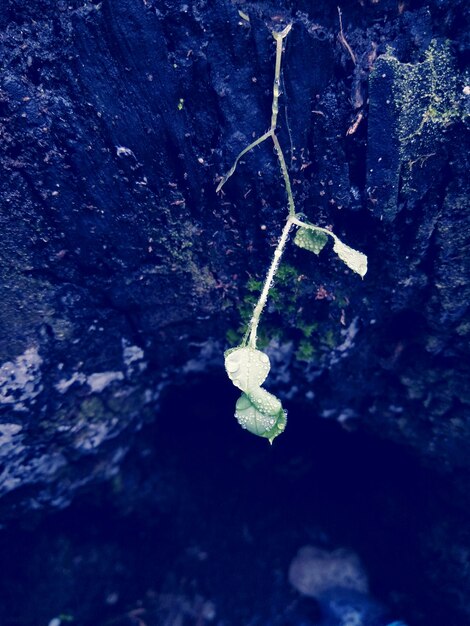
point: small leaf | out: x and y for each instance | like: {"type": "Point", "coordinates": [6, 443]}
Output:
{"type": "Point", "coordinates": [355, 260]}
{"type": "Point", "coordinates": [251, 416]}
{"type": "Point", "coordinates": [312, 240]}
{"type": "Point", "coordinates": [247, 368]}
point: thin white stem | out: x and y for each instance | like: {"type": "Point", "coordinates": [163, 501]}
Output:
{"type": "Point", "coordinates": [268, 281]}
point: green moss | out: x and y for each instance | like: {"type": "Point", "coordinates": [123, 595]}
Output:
{"type": "Point", "coordinates": [286, 274]}
{"type": "Point", "coordinates": [307, 329]}
{"type": "Point", "coordinates": [427, 100]}
{"type": "Point", "coordinates": [426, 93]}
{"type": "Point", "coordinates": [412, 107]}
{"type": "Point", "coordinates": [305, 351]}
{"type": "Point", "coordinates": [254, 285]}
{"type": "Point", "coordinates": [233, 336]}
{"type": "Point", "coordinates": [430, 88]}
{"type": "Point", "coordinates": [293, 314]}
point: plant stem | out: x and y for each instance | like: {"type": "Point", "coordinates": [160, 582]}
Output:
{"type": "Point", "coordinates": [268, 281]}
{"type": "Point", "coordinates": [243, 152]}
{"type": "Point", "coordinates": [285, 174]}
{"type": "Point", "coordinates": [292, 220]}
{"type": "Point", "coordinates": [279, 37]}
{"type": "Point", "coordinates": [253, 325]}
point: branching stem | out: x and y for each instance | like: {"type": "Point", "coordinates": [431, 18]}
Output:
{"type": "Point", "coordinates": [253, 326]}
{"type": "Point", "coordinates": [279, 38]}
{"type": "Point", "coordinates": [242, 153]}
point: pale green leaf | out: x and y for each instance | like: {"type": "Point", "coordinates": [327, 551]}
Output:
{"type": "Point", "coordinates": [246, 367]}
{"type": "Point", "coordinates": [261, 415]}
{"type": "Point", "coordinates": [312, 240]}
{"type": "Point", "coordinates": [355, 260]}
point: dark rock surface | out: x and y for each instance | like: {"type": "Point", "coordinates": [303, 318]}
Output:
{"type": "Point", "coordinates": [122, 272]}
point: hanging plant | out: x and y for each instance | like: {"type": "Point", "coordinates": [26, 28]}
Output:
{"type": "Point", "coordinates": [257, 410]}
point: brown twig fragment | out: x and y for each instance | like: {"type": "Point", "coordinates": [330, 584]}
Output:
{"type": "Point", "coordinates": [357, 120]}
{"type": "Point", "coordinates": [342, 39]}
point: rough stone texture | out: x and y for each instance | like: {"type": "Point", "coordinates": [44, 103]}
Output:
{"type": "Point", "coordinates": [120, 267]}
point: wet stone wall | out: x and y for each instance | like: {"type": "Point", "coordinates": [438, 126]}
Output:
{"type": "Point", "coordinates": [123, 274]}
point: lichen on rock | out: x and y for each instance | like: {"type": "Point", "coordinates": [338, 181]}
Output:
{"type": "Point", "coordinates": [411, 107]}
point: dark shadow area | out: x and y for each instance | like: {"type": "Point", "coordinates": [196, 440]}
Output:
{"type": "Point", "coordinates": [203, 520]}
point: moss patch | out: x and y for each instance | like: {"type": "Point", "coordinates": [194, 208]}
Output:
{"type": "Point", "coordinates": [411, 107]}
{"type": "Point", "coordinates": [298, 311]}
